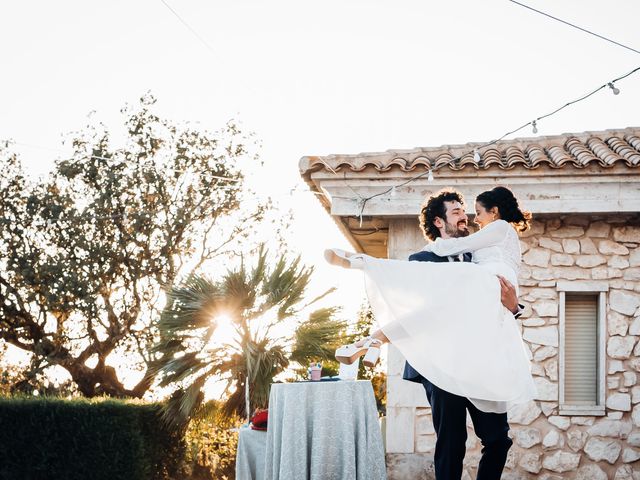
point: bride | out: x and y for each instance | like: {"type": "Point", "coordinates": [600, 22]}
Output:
{"type": "Point", "coordinates": [446, 318]}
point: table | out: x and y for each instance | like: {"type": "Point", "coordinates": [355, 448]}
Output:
{"type": "Point", "coordinates": [250, 454]}
{"type": "Point", "coordinates": [324, 431]}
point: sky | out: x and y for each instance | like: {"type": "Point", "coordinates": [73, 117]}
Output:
{"type": "Point", "coordinates": [315, 78]}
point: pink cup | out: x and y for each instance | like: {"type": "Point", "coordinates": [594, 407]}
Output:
{"type": "Point", "coordinates": [316, 373]}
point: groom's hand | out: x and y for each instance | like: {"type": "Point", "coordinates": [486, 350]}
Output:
{"type": "Point", "coordinates": [508, 295]}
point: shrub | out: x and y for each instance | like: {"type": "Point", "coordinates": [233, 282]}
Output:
{"type": "Point", "coordinates": [48, 438]}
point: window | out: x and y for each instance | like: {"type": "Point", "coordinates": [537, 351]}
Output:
{"type": "Point", "coordinates": [582, 348]}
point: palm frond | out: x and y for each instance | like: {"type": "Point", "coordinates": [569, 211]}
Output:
{"type": "Point", "coordinates": [180, 407]}
{"type": "Point", "coordinates": [318, 337]}
{"type": "Point", "coordinates": [320, 297]}
{"type": "Point", "coordinates": [192, 305]}
{"type": "Point", "coordinates": [179, 369]}
{"type": "Point", "coordinates": [285, 285]}
{"type": "Point", "coordinates": [296, 292]}
{"type": "Point", "coordinates": [238, 292]}
{"type": "Point", "coordinates": [258, 272]}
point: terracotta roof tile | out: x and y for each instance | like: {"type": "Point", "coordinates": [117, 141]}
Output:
{"type": "Point", "coordinates": [575, 150]}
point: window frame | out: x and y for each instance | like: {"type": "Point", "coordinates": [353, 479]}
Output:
{"type": "Point", "coordinates": [600, 290]}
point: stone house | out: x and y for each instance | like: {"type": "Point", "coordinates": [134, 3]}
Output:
{"type": "Point", "coordinates": [580, 283]}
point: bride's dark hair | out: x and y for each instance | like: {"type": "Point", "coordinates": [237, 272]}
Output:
{"type": "Point", "coordinates": [508, 208]}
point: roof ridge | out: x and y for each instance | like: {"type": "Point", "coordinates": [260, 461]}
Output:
{"type": "Point", "coordinates": [408, 159]}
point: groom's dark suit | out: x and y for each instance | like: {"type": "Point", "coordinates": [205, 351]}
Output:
{"type": "Point", "coordinates": [449, 414]}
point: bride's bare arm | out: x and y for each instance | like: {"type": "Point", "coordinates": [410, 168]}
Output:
{"type": "Point", "coordinates": [492, 234]}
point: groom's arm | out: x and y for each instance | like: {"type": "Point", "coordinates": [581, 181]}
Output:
{"type": "Point", "coordinates": [424, 256]}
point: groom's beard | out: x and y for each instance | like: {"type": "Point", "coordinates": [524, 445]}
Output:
{"type": "Point", "coordinates": [458, 230]}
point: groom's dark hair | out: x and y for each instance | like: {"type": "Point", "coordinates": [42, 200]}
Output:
{"type": "Point", "coordinates": [434, 207]}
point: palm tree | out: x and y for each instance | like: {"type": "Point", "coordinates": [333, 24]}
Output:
{"type": "Point", "coordinates": [253, 301]}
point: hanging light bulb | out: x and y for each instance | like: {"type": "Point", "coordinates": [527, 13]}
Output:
{"type": "Point", "coordinates": [535, 126]}
{"type": "Point", "coordinates": [430, 176]}
{"type": "Point", "coordinates": [614, 89]}
{"type": "Point", "coordinates": [393, 192]}
{"type": "Point", "coordinates": [476, 155]}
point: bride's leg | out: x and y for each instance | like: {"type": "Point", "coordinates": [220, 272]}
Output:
{"type": "Point", "coordinates": [373, 343]}
{"type": "Point", "coordinates": [367, 346]}
{"type": "Point", "coordinates": [376, 340]}
{"type": "Point", "coordinates": [377, 335]}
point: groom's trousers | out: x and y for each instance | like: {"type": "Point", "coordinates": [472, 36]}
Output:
{"type": "Point", "coordinates": [449, 413]}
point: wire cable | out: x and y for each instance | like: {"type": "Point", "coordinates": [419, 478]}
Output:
{"type": "Point", "coordinates": [575, 26]}
{"type": "Point", "coordinates": [191, 29]}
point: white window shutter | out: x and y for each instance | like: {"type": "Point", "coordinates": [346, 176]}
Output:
{"type": "Point", "coordinates": [581, 349]}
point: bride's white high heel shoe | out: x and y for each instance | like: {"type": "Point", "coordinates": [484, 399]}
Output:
{"type": "Point", "coordinates": [373, 353]}
{"type": "Point", "coordinates": [348, 354]}
{"type": "Point", "coordinates": [343, 259]}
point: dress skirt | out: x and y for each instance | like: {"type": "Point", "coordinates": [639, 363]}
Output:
{"type": "Point", "coordinates": [448, 321]}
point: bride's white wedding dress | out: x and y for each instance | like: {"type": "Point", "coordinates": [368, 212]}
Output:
{"type": "Point", "coordinates": [447, 318]}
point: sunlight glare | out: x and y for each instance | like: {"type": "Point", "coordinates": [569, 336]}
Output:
{"type": "Point", "coordinates": [225, 330]}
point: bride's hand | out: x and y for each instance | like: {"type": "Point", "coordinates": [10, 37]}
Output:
{"type": "Point", "coordinates": [428, 247]}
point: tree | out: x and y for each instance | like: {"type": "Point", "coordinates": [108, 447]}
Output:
{"type": "Point", "coordinates": [254, 300]}
{"type": "Point", "coordinates": [316, 340]}
{"type": "Point", "coordinates": [84, 254]}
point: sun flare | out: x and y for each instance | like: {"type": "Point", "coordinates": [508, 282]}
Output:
{"type": "Point", "coordinates": [225, 329]}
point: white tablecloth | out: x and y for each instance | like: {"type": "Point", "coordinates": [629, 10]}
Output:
{"type": "Point", "coordinates": [324, 431]}
{"type": "Point", "coordinates": [250, 454]}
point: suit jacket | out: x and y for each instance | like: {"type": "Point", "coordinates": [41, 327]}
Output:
{"type": "Point", "coordinates": [409, 372]}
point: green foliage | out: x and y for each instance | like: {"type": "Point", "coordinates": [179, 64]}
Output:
{"type": "Point", "coordinates": [85, 252]}
{"type": "Point", "coordinates": [316, 340]}
{"type": "Point", "coordinates": [211, 449]}
{"type": "Point", "coordinates": [45, 438]}
{"type": "Point", "coordinates": [254, 300]}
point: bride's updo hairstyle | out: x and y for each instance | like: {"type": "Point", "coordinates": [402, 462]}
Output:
{"type": "Point", "coordinates": [508, 208]}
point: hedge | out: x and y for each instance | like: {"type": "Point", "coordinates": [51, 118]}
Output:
{"type": "Point", "coordinates": [47, 438]}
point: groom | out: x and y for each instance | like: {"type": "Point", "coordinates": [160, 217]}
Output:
{"type": "Point", "coordinates": [444, 216]}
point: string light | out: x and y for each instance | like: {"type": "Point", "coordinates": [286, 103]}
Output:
{"type": "Point", "coordinates": [393, 191]}
{"type": "Point", "coordinates": [476, 155]}
{"type": "Point", "coordinates": [614, 89]}
{"type": "Point", "coordinates": [362, 204]}
{"type": "Point", "coordinates": [363, 200]}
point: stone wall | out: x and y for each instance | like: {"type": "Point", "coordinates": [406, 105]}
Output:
{"type": "Point", "coordinates": [548, 445]}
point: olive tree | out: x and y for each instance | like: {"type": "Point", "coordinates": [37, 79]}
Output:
{"type": "Point", "coordinates": [87, 252]}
